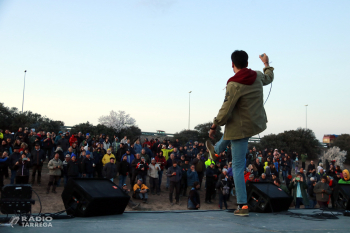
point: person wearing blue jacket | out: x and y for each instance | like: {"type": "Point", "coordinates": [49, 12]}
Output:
{"type": "Point", "coordinates": [88, 166]}
{"type": "Point", "coordinates": [137, 147]}
{"type": "Point", "coordinates": [192, 176]}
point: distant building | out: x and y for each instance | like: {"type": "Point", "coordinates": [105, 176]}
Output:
{"type": "Point", "coordinates": [329, 138]}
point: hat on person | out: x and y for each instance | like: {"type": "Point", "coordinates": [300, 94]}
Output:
{"type": "Point", "coordinates": [37, 144]}
{"type": "Point", "coordinates": [59, 132]}
{"type": "Point", "coordinates": [276, 149]}
{"type": "Point", "coordinates": [73, 155]}
{"type": "Point", "coordinates": [251, 175]}
{"type": "Point", "coordinates": [67, 156]}
{"type": "Point", "coordinates": [88, 152]}
{"type": "Point", "coordinates": [142, 157]}
{"type": "Point", "coordinates": [128, 150]}
{"type": "Point", "coordinates": [87, 134]}
{"type": "Point", "coordinates": [140, 179]}
{"type": "Point", "coordinates": [108, 150]}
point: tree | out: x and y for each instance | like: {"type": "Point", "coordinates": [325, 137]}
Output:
{"type": "Point", "coordinates": [84, 128]}
{"type": "Point", "coordinates": [117, 121]}
{"type": "Point", "coordinates": [203, 131]}
{"type": "Point", "coordinates": [343, 142]}
{"type": "Point", "coordinates": [300, 140]}
{"type": "Point", "coordinates": [185, 135]}
{"type": "Point", "coordinates": [133, 132]}
{"type": "Point", "coordinates": [334, 153]}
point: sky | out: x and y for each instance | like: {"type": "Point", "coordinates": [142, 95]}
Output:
{"type": "Point", "coordinates": [86, 58]}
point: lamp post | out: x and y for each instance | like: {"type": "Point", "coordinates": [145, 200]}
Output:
{"type": "Point", "coordinates": [189, 109]}
{"type": "Point", "coordinates": [306, 114]}
{"type": "Point", "coordinates": [24, 86]}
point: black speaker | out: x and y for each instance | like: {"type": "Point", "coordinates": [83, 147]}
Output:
{"type": "Point", "coordinates": [16, 199]}
{"type": "Point", "coordinates": [83, 197]}
{"type": "Point", "coordinates": [267, 197]}
{"type": "Point", "coordinates": [342, 196]}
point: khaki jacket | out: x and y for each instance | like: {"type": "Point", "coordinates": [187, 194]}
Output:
{"type": "Point", "coordinates": [54, 164]}
{"type": "Point", "coordinates": [243, 110]}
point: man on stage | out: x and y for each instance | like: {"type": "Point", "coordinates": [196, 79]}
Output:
{"type": "Point", "coordinates": [243, 115]}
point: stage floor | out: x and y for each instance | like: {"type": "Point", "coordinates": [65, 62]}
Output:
{"type": "Point", "coordinates": [192, 221]}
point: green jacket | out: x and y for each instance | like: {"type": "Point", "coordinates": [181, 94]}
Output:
{"type": "Point", "coordinates": [303, 187]}
{"type": "Point", "coordinates": [342, 181]}
{"type": "Point", "coordinates": [243, 110]}
{"type": "Point", "coordinates": [285, 189]}
{"type": "Point", "coordinates": [320, 196]}
{"type": "Point", "coordinates": [208, 162]}
{"type": "Point", "coordinates": [303, 158]}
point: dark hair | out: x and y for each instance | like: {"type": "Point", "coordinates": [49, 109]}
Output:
{"type": "Point", "coordinates": [240, 59]}
{"type": "Point", "coordinates": [195, 183]}
{"type": "Point", "coordinates": [277, 181]}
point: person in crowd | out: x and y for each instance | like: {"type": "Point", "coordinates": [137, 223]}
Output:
{"type": "Point", "coordinates": [142, 168]}
{"type": "Point", "coordinates": [131, 204]}
{"type": "Point", "coordinates": [55, 167]}
{"type": "Point", "coordinates": [109, 170]}
{"type": "Point", "coordinates": [200, 168]}
{"type": "Point", "coordinates": [319, 167]}
{"type": "Point", "coordinates": [300, 196]}
{"type": "Point", "coordinates": [124, 169]}
{"type": "Point", "coordinates": [258, 168]}
{"type": "Point", "coordinates": [65, 169]}
{"type": "Point", "coordinates": [38, 158]}
{"type": "Point", "coordinates": [322, 191]}
{"type": "Point", "coordinates": [134, 170]}
{"type": "Point", "coordinates": [277, 182]}
{"type": "Point", "coordinates": [194, 202]}
{"type": "Point", "coordinates": [138, 147]}
{"type": "Point", "coordinates": [263, 178]}
{"type": "Point", "coordinates": [73, 167]}
{"type": "Point", "coordinates": [331, 171]}
{"type": "Point", "coordinates": [97, 156]}
{"type": "Point", "coordinates": [285, 168]}
{"type": "Point", "coordinates": [63, 142]}
{"type": "Point", "coordinates": [251, 179]}
{"type": "Point", "coordinates": [174, 173]}
{"type": "Point", "coordinates": [169, 163]}
{"type": "Point", "coordinates": [296, 164]}
{"type": "Point", "coordinates": [303, 160]}
{"type": "Point", "coordinates": [88, 166]}
{"type": "Point", "coordinates": [3, 167]}
{"type": "Point", "coordinates": [107, 157]}
{"type": "Point", "coordinates": [22, 167]}
{"type": "Point", "coordinates": [320, 174]}
{"type": "Point", "coordinates": [160, 159]}
{"type": "Point", "coordinates": [106, 144]}
{"type": "Point", "coordinates": [223, 186]}
{"type": "Point", "coordinates": [211, 180]}
{"type": "Point", "coordinates": [141, 191]}
{"type": "Point", "coordinates": [192, 176]}
{"type": "Point", "coordinates": [346, 177]}
{"type": "Point", "coordinates": [311, 169]}
{"type": "Point", "coordinates": [153, 176]}
{"type": "Point", "coordinates": [166, 152]}
{"type": "Point", "coordinates": [116, 146]}
{"type": "Point", "coordinates": [311, 193]}
{"type": "Point", "coordinates": [208, 162]}
{"type": "Point", "coordinates": [145, 155]}
{"type": "Point", "coordinates": [14, 157]}
{"type": "Point", "coordinates": [73, 139]}
{"type": "Point", "coordinates": [337, 169]}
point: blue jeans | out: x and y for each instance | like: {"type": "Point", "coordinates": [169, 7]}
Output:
{"type": "Point", "coordinates": [122, 180]}
{"type": "Point", "coordinates": [160, 174]}
{"type": "Point", "coordinates": [298, 202]}
{"type": "Point", "coordinates": [13, 176]}
{"type": "Point", "coordinates": [284, 175]}
{"type": "Point", "coordinates": [238, 149]}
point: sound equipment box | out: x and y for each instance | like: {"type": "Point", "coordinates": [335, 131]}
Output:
{"type": "Point", "coordinates": [342, 196]}
{"type": "Point", "coordinates": [16, 199]}
{"type": "Point", "coordinates": [84, 197]}
{"type": "Point", "coordinates": [267, 197]}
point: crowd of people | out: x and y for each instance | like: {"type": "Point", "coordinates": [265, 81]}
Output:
{"type": "Point", "coordinates": [77, 155]}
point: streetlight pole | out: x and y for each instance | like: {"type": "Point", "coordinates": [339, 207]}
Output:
{"type": "Point", "coordinates": [189, 109]}
{"type": "Point", "coordinates": [306, 114]}
{"type": "Point", "coordinates": [24, 86]}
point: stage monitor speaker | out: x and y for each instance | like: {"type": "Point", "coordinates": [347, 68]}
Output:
{"type": "Point", "coordinates": [267, 197]}
{"type": "Point", "coordinates": [85, 197]}
{"type": "Point", "coordinates": [342, 196]}
{"type": "Point", "coordinates": [16, 199]}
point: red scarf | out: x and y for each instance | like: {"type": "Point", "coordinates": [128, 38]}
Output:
{"type": "Point", "coordinates": [244, 76]}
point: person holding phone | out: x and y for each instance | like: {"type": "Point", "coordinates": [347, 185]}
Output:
{"type": "Point", "coordinates": [22, 167]}
{"type": "Point", "coordinates": [299, 187]}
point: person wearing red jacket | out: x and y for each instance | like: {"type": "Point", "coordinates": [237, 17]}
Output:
{"type": "Point", "coordinates": [73, 139]}
{"type": "Point", "coordinates": [160, 159]}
